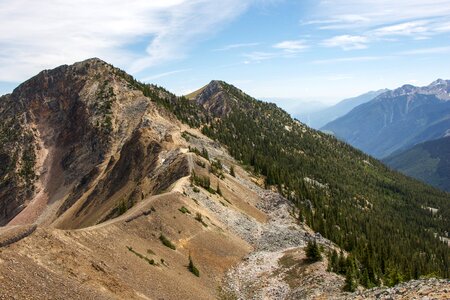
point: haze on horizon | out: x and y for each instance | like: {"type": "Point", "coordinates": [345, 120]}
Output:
{"type": "Point", "coordinates": [289, 51]}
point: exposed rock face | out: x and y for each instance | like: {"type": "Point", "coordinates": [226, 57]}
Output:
{"type": "Point", "coordinates": [214, 98]}
{"type": "Point", "coordinates": [438, 289]}
{"type": "Point", "coordinates": [75, 132]}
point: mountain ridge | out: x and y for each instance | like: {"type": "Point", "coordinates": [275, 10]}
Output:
{"type": "Point", "coordinates": [397, 119]}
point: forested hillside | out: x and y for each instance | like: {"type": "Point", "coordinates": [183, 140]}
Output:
{"type": "Point", "coordinates": [379, 216]}
{"type": "Point", "coordinates": [428, 162]}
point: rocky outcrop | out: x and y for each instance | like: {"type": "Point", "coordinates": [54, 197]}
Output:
{"type": "Point", "coordinates": [438, 289]}
{"type": "Point", "coordinates": [214, 98]}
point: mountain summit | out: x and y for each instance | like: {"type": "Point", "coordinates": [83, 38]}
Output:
{"type": "Point", "coordinates": [218, 98]}
{"type": "Point", "coordinates": [73, 137]}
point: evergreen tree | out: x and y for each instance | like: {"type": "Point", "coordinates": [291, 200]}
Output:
{"type": "Point", "coordinates": [192, 268]}
{"type": "Point", "coordinates": [350, 281]}
{"type": "Point", "coordinates": [218, 191]}
{"type": "Point", "coordinates": [342, 264]}
{"type": "Point", "coordinates": [232, 171]}
{"type": "Point", "coordinates": [313, 251]}
{"type": "Point", "coordinates": [333, 262]}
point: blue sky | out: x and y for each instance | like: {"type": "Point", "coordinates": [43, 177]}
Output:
{"type": "Point", "coordinates": [294, 52]}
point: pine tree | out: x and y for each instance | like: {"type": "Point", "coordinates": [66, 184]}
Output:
{"type": "Point", "coordinates": [350, 281]}
{"type": "Point", "coordinates": [218, 191]}
{"type": "Point", "coordinates": [333, 262]}
{"type": "Point", "coordinates": [192, 268]}
{"type": "Point", "coordinates": [232, 171]}
{"type": "Point", "coordinates": [313, 251]}
{"type": "Point", "coordinates": [351, 275]}
{"type": "Point", "coordinates": [341, 263]}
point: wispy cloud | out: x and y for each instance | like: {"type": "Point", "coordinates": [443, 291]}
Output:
{"type": "Point", "coordinates": [338, 22]}
{"type": "Point", "coordinates": [42, 34]}
{"type": "Point", "coordinates": [404, 29]}
{"type": "Point", "coordinates": [336, 77]}
{"type": "Point", "coordinates": [347, 42]}
{"type": "Point", "coordinates": [283, 49]}
{"type": "Point", "coordinates": [165, 74]}
{"type": "Point", "coordinates": [369, 21]}
{"type": "Point", "coordinates": [292, 46]}
{"type": "Point", "coordinates": [236, 46]}
{"type": "Point", "coordinates": [362, 14]}
{"type": "Point", "coordinates": [258, 56]}
{"type": "Point", "coordinates": [349, 59]}
{"type": "Point", "coordinates": [432, 50]}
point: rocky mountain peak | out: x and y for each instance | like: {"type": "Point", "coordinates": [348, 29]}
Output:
{"type": "Point", "coordinates": [215, 98]}
{"type": "Point", "coordinates": [439, 88]}
{"type": "Point", "coordinates": [439, 82]}
{"type": "Point", "coordinates": [71, 122]}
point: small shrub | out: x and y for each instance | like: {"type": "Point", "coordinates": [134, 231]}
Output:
{"type": "Point", "coordinates": [166, 242]}
{"type": "Point", "coordinates": [218, 191]}
{"type": "Point", "coordinates": [192, 268]}
{"type": "Point", "coordinates": [232, 171]}
{"type": "Point", "coordinates": [150, 261]}
{"type": "Point", "coordinates": [196, 189]}
{"type": "Point", "coordinates": [200, 163]}
{"type": "Point", "coordinates": [216, 169]}
{"type": "Point", "coordinates": [184, 210]}
{"type": "Point", "coordinates": [205, 154]}
{"type": "Point", "coordinates": [122, 208]}
{"type": "Point", "coordinates": [202, 181]}
{"type": "Point", "coordinates": [199, 217]}
{"type": "Point", "coordinates": [185, 136]}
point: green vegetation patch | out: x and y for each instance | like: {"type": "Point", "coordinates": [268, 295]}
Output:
{"type": "Point", "coordinates": [166, 242]}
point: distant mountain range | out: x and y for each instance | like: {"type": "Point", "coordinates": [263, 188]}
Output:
{"type": "Point", "coordinates": [396, 120]}
{"type": "Point", "coordinates": [319, 118]}
{"type": "Point", "coordinates": [428, 162]}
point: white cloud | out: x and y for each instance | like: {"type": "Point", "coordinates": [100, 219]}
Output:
{"type": "Point", "coordinates": [432, 50]}
{"type": "Point", "coordinates": [236, 46]}
{"type": "Point", "coordinates": [43, 34]}
{"type": "Point", "coordinates": [291, 46]}
{"type": "Point", "coordinates": [336, 77]}
{"type": "Point", "coordinates": [258, 56]}
{"type": "Point", "coordinates": [348, 59]}
{"type": "Point", "coordinates": [375, 13]}
{"type": "Point", "coordinates": [407, 28]}
{"type": "Point", "coordinates": [347, 42]}
{"type": "Point", "coordinates": [165, 74]}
